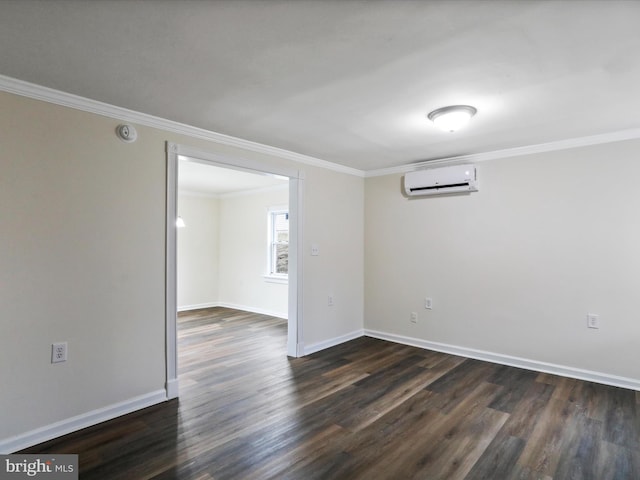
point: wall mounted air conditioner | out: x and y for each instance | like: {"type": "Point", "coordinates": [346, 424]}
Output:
{"type": "Point", "coordinates": [438, 181]}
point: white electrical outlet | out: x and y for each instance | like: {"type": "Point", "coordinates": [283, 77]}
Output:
{"type": "Point", "coordinates": [330, 300]}
{"type": "Point", "coordinates": [58, 352]}
{"type": "Point", "coordinates": [414, 317]}
{"type": "Point", "coordinates": [428, 303]}
{"type": "Point", "coordinates": [593, 321]}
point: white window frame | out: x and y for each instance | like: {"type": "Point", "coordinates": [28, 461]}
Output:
{"type": "Point", "coordinates": [271, 275]}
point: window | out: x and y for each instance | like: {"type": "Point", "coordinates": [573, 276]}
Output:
{"type": "Point", "coordinates": [278, 243]}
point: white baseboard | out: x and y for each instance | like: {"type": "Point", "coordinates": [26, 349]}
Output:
{"type": "Point", "coordinates": [198, 306]}
{"type": "Point", "coordinates": [316, 347]}
{"type": "Point", "coordinates": [172, 389]}
{"type": "Point", "coordinates": [525, 363]}
{"type": "Point", "coordinates": [43, 434]}
{"type": "Point", "coordinates": [247, 308]}
{"type": "Point", "coordinates": [235, 306]}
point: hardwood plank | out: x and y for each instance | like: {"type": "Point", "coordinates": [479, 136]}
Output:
{"type": "Point", "coordinates": [444, 446]}
{"type": "Point", "coordinates": [620, 413]}
{"type": "Point", "coordinates": [616, 462]}
{"type": "Point", "coordinates": [297, 457]}
{"type": "Point", "coordinates": [545, 446]}
{"type": "Point", "coordinates": [375, 442]}
{"type": "Point", "coordinates": [393, 398]}
{"type": "Point", "coordinates": [499, 459]}
{"type": "Point", "coordinates": [579, 461]}
{"type": "Point", "coordinates": [415, 381]}
{"type": "Point", "coordinates": [525, 473]}
{"type": "Point", "coordinates": [526, 414]}
{"type": "Point", "coordinates": [516, 383]}
{"type": "Point", "coordinates": [460, 381]}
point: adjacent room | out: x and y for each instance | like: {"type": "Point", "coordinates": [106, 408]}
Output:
{"type": "Point", "coordinates": [233, 239]}
{"type": "Point", "coordinates": [315, 239]}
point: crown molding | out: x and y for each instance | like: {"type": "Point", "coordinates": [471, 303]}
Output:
{"type": "Point", "coordinates": [239, 193]}
{"type": "Point", "coordinates": [255, 191]}
{"type": "Point", "coordinates": [38, 92]}
{"type": "Point", "coordinates": [194, 193]}
{"type": "Point", "coordinates": [630, 134]}
{"type": "Point", "coordinates": [50, 95]}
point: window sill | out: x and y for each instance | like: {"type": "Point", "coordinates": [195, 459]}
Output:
{"type": "Point", "coordinates": [276, 279]}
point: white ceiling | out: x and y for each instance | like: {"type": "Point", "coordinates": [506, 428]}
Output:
{"type": "Point", "coordinates": [345, 81]}
{"type": "Point", "coordinates": [204, 179]}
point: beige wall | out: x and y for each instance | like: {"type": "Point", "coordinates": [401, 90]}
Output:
{"type": "Point", "coordinates": [334, 223]}
{"type": "Point", "coordinates": [82, 259]}
{"type": "Point", "coordinates": [514, 268]}
{"type": "Point", "coordinates": [222, 254]}
{"type": "Point", "coordinates": [198, 251]}
{"type": "Point", "coordinates": [243, 253]}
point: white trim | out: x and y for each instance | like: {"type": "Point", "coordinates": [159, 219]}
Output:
{"type": "Point", "coordinates": [198, 306]}
{"type": "Point", "coordinates": [38, 92]}
{"type": "Point", "coordinates": [171, 271]}
{"type": "Point", "coordinates": [271, 275]}
{"type": "Point", "coordinates": [246, 308]}
{"type": "Point", "coordinates": [295, 287]}
{"type": "Point", "coordinates": [193, 193]}
{"type": "Point", "coordinates": [281, 279]}
{"type": "Point", "coordinates": [63, 427]}
{"type": "Point", "coordinates": [528, 364]}
{"type": "Point", "coordinates": [255, 191]}
{"type": "Point", "coordinates": [332, 342]}
{"type": "Point", "coordinates": [262, 311]}
{"type": "Point", "coordinates": [279, 208]}
{"type": "Point", "coordinates": [630, 134]}
{"type": "Point", "coordinates": [296, 211]}
{"type": "Point", "coordinates": [57, 97]}
{"type": "Point", "coordinates": [239, 193]}
{"type": "Point", "coordinates": [172, 388]}
{"type": "Point", "coordinates": [236, 162]}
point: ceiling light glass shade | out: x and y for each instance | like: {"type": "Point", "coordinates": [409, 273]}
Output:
{"type": "Point", "coordinates": [180, 223]}
{"type": "Point", "coordinates": [452, 118]}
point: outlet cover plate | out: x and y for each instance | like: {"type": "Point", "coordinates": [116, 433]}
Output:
{"type": "Point", "coordinates": [59, 352]}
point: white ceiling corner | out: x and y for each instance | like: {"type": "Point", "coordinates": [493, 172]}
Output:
{"type": "Point", "coordinates": [197, 178]}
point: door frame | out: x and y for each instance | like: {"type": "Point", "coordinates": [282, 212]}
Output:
{"type": "Point", "coordinates": [296, 189]}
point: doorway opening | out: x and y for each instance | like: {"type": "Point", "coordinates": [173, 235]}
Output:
{"type": "Point", "coordinates": [233, 239]}
{"type": "Point", "coordinates": [284, 246]}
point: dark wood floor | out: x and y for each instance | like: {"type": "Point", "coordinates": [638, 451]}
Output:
{"type": "Point", "coordinates": [366, 409]}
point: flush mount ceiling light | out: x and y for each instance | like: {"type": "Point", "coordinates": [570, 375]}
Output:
{"type": "Point", "coordinates": [453, 117]}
